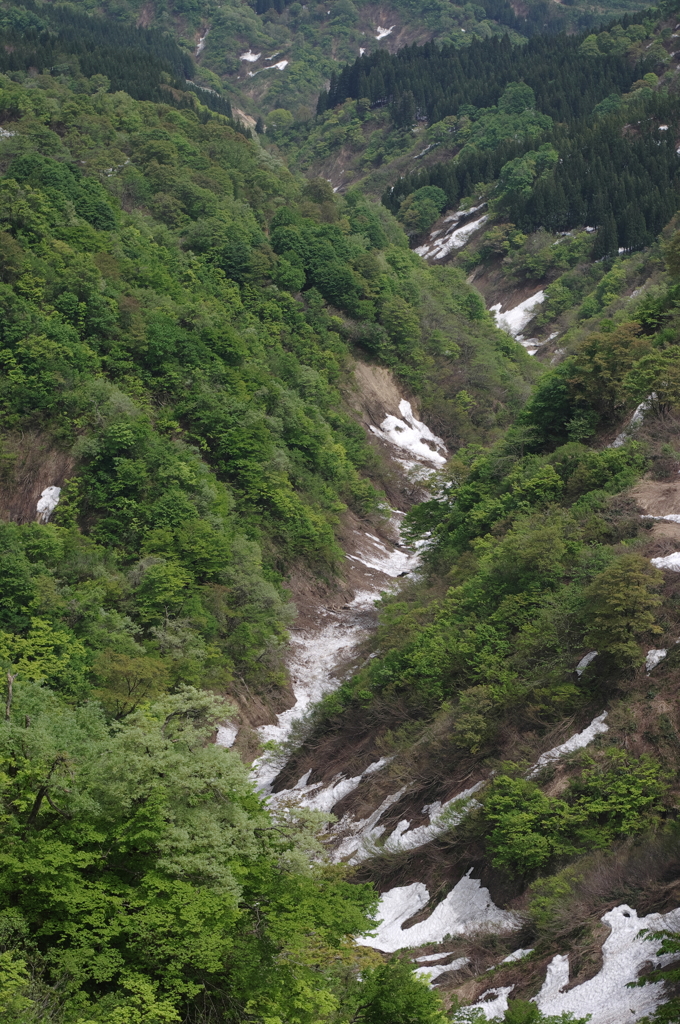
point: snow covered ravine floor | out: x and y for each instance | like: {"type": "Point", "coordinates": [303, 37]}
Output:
{"type": "Point", "coordinates": [321, 655]}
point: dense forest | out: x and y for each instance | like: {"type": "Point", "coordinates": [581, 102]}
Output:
{"type": "Point", "coordinates": [184, 321]}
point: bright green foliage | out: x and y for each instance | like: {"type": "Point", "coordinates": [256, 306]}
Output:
{"type": "Point", "coordinates": [421, 208]}
{"type": "Point", "coordinates": [617, 796]}
{"type": "Point", "coordinates": [669, 1012]}
{"type": "Point", "coordinates": [619, 606]}
{"type": "Point", "coordinates": [144, 875]}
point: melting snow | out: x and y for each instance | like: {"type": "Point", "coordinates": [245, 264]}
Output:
{"type": "Point", "coordinates": [455, 238]}
{"type": "Point", "coordinates": [226, 735]}
{"type": "Point", "coordinates": [440, 820]}
{"type": "Point", "coordinates": [318, 797]}
{"type": "Point", "coordinates": [201, 44]}
{"type": "Point", "coordinates": [635, 421]}
{"type": "Point", "coordinates": [433, 972]}
{"type": "Point", "coordinates": [5, 134]}
{"type": "Point", "coordinates": [468, 908]}
{"type": "Point", "coordinates": [250, 56]}
{"type": "Point", "coordinates": [382, 32]}
{"type": "Point", "coordinates": [412, 435]}
{"type": "Point", "coordinates": [362, 51]}
{"type": "Point", "coordinates": [493, 1003]}
{"type": "Point", "coordinates": [354, 846]}
{"type": "Point", "coordinates": [519, 954]}
{"type": "Point", "coordinates": [584, 662]}
{"type": "Point", "coordinates": [278, 67]}
{"type": "Point", "coordinates": [654, 657]}
{"type": "Point", "coordinates": [624, 952]}
{"type": "Point", "coordinates": [673, 518]}
{"type": "Point", "coordinates": [430, 957]}
{"type": "Point", "coordinates": [47, 502]}
{"type": "Point", "coordinates": [576, 742]}
{"type": "Point", "coordinates": [671, 562]}
{"type": "Point", "coordinates": [515, 320]}
{"type": "Point", "coordinates": [311, 664]}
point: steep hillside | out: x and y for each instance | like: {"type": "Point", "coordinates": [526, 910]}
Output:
{"type": "Point", "coordinates": [340, 525]}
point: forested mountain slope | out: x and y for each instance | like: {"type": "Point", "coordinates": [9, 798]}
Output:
{"type": "Point", "coordinates": [228, 391]}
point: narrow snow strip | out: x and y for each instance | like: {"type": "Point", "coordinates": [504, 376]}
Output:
{"type": "Point", "coordinates": [47, 502]}
{"type": "Point", "coordinates": [635, 421]}
{"type": "Point", "coordinates": [467, 909]}
{"type": "Point", "coordinates": [382, 32]}
{"type": "Point", "coordinates": [493, 1003]}
{"type": "Point", "coordinates": [201, 44]}
{"type": "Point", "coordinates": [654, 657]}
{"type": "Point", "coordinates": [454, 239]}
{"type": "Point", "coordinates": [412, 435]}
{"type": "Point", "coordinates": [355, 845]}
{"type": "Point", "coordinates": [441, 818]}
{"type": "Point", "coordinates": [584, 662]}
{"type": "Point", "coordinates": [433, 972]}
{"type": "Point", "coordinates": [671, 562]}
{"type": "Point", "coordinates": [318, 797]}
{"type": "Point", "coordinates": [226, 735]}
{"type": "Point", "coordinates": [519, 954]}
{"type": "Point", "coordinates": [430, 957]}
{"type": "Point", "coordinates": [515, 320]}
{"type": "Point", "coordinates": [312, 661]}
{"type": "Point", "coordinates": [673, 518]}
{"type": "Point", "coordinates": [606, 996]}
{"type": "Point", "coordinates": [576, 742]}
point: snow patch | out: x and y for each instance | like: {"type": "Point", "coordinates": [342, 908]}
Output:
{"type": "Point", "coordinates": [272, 67]}
{"type": "Point", "coordinates": [318, 797]}
{"type": "Point", "coordinates": [584, 662]}
{"type": "Point", "coordinates": [455, 238]}
{"type": "Point", "coordinates": [201, 44]}
{"type": "Point", "coordinates": [226, 735]}
{"type": "Point", "coordinates": [362, 51]}
{"type": "Point", "coordinates": [467, 909]}
{"type": "Point", "coordinates": [671, 562]}
{"type": "Point", "coordinates": [4, 134]}
{"type": "Point", "coordinates": [576, 742]}
{"type": "Point", "coordinates": [635, 421]}
{"type": "Point", "coordinates": [47, 502]}
{"type": "Point", "coordinates": [654, 657]}
{"type": "Point", "coordinates": [433, 972]}
{"type": "Point", "coordinates": [672, 518]}
{"type": "Point", "coordinates": [354, 847]}
{"type": "Point", "coordinates": [624, 952]}
{"type": "Point", "coordinates": [514, 320]}
{"type": "Point", "coordinates": [382, 32]}
{"type": "Point", "coordinates": [519, 954]}
{"type": "Point", "coordinates": [441, 818]}
{"type": "Point", "coordinates": [311, 665]}
{"type": "Point", "coordinates": [250, 57]}
{"type": "Point", "coordinates": [412, 435]}
{"type": "Point", "coordinates": [494, 1002]}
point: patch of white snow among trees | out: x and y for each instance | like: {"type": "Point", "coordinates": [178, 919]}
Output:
{"type": "Point", "coordinates": [672, 518]}
{"type": "Point", "coordinates": [576, 742]}
{"type": "Point", "coordinates": [654, 657]}
{"type": "Point", "coordinates": [634, 422]}
{"type": "Point", "coordinates": [319, 797]}
{"type": "Point", "coordinates": [519, 954]}
{"type": "Point", "coordinates": [382, 32]}
{"type": "Point", "coordinates": [606, 996]}
{"type": "Point", "coordinates": [250, 57]}
{"type": "Point", "coordinates": [430, 973]}
{"type": "Point", "coordinates": [671, 562]}
{"type": "Point", "coordinates": [313, 659]}
{"type": "Point", "coordinates": [493, 1003]}
{"type": "Point", "coordinates": [363, 842]}
{"type": "Point", "coordinates": [514, 320]}
{"type": "Point", "coordinates": [412, 435]}
{"type": "Point", "coordinates": [47, 502]}
{"type": "Point", "coordinates": [455, 238]}
{"type": "Point", "coordinates": [226, 735]}
{"type": "Point", "coordinates": [584, 662]}
{"type": "Point", "coordinates": [468, 909]}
